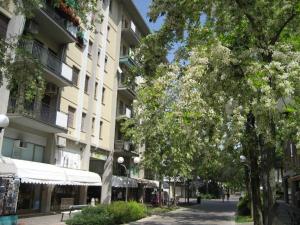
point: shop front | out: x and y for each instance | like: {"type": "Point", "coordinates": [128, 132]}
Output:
{"type": "Point", "coordinates": [46, 187]}
{"type": "Point", "coordinates": [119, 184]}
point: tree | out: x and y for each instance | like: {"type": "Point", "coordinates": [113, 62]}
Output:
{"type": "Point", "coordinates": [241, 84]}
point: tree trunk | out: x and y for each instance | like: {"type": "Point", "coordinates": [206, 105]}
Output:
{"type": "Point", "coordinates": [159, 191]}
{"type": "Point", "coordinates": [174, 192]}
{"type": "Point", "coordinates": [252, 149]}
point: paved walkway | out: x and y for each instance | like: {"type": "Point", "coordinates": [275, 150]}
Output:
{"type": "Point", "coordinates": [42, 220]}
{"type": "Point", "coordinates": [212, 212]}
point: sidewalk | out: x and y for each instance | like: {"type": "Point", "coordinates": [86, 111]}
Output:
{"type": "Point", "coordinates": [42, 220]}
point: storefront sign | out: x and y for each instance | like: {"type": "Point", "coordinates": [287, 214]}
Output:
{"type": "Point", "coordinates": [99, 156]}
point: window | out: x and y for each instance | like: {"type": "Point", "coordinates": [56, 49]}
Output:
{"type": "Point", "coordinates": [103, 95]}
{"type": "Point", "coordinates": [100, 129]}
{"type": "Point", "coordinates": [71, 116]}
{"type": "Point", "coordinates": [87, 84]}
{"type": "Point", "coordinates": [96, 90]}
{"type": "Point", "coordinates": [110, 6]}
{"type": "Point", "coordinates": [90, 48]}
{"type": "Point", "coordinates": [105, 62]}
{"type": "Point", "coordinates": [121, 108]}
{"type": "Point", "coordinates": [93, 125]}
{"type": "Point", "coordinates": [75, 75]}
{"type": "Point", "coordinates": [83, 122]}
{"type": "Point", "coordinates": [107, 34]}
{"type": "Point", "coordinates": [99, 54]}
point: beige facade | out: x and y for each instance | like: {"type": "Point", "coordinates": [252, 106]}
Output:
{"type": "Point", "coordinates": [76, 123]}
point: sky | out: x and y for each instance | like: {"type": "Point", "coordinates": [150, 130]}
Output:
{"type": "Point", "coordinates": [143, 6]}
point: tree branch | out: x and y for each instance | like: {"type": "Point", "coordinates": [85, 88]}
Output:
{"type": "Point", "coordinates": [277, 34]}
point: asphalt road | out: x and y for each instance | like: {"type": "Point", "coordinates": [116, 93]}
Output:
{"type": "Point", "coordinates": [210, 212]}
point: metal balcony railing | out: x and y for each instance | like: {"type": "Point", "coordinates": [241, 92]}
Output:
{"type": "Point", "coordinates": [35, 110]}
{"type": "Point", "coordinates": [122, 84]}
{"type": "Point", "coordinates": [61, 21]}
{"type": "Point", "coordinates": [46, 57]}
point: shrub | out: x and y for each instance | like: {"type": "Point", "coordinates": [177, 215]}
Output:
{"type": "Point", "coordinates": [206, 196]}
{"type": "Point", "coordinates": [98, 215]}
{"type": "Point", "coordinates": [244, 206]}
{"type": "Point", "coordinates": [126, 212]}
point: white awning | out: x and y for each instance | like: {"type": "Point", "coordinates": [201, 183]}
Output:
{"type": "Point", "coordinates": [148, 183]}
{"type": "Point", "coordinates": [42, 173]}
{"type": "Point", "coordinates": [121, 182]}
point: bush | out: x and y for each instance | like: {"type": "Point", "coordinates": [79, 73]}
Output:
{"type": "Point", "coordinates": [206, 196]}
{"type": "Point", "coordinates": [98, 215]}
{"type": "Point", "coordinates": [115, 213]}
{"type": "Point", "coordinates": [244, 206]}
{"type": "Point", "coordinates": [126, 212]}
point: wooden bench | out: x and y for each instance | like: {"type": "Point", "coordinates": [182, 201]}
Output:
{"type": "Point", "coordinates": [72, 209]}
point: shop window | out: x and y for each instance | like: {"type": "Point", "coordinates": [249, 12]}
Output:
{"type": "Point", "coordinates": [22, 150]}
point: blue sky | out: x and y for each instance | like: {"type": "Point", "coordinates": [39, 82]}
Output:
{"type": "Point", "coordinates": [143, 6]}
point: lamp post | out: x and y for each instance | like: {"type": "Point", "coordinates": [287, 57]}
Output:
{"type": "Point", "coordinates": [4, 121]}
{"type": "Point", "coordinates": [120, 160]}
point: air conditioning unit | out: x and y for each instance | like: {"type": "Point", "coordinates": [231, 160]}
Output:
{"type": "Point", "coordinates": [20, 144]}
{"type": "Point", "coordinates": [33, 27]}
{"type": "Point", "coordinates": [126, 146]}
{"type": "Point", "coordinates": [51, 89]}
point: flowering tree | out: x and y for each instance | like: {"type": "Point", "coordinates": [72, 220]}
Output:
{"type": "Point", "coordinates": [240, 87]}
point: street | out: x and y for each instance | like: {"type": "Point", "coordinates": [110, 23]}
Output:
{"type": "Point", "coordinates": [210, 212]}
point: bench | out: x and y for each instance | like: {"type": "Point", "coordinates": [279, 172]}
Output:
{"type": "Point", "coordinates": [72, 209]}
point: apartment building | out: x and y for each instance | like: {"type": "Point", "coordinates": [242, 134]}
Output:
{"type": "Point", "coordinates": [64, 145]}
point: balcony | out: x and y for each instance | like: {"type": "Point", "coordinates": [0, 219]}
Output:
{"type": "Point", "coordinates": [124, 113]}
{"type": "Point", "coordinates": [125, 148]}
{"type": "Point", "coordinates": [57, 72]}
{"type": "Point", "coordinates": [128, 60]}
{"type": "Point", "coordinates": [127, 90]}
{"type": "Point", "coordinates": [38, 116]}
{"type": "Point", "coordinates": [55, 25]}
{"type": "Point", "coordinates": [130, 33]}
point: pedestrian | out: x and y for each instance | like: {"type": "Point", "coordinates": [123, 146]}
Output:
{"type": "Point", "coordinates": [297, 195]}
{"type": "Point", "coordinates": [228, 196]}
{"type": "Point", "coordinates": [222, 195]}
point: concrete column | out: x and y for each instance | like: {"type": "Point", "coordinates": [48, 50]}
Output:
{"type": "Point", "coordinates": [14, 30]}
{"type": "Point", "coordinates": [46, 198]}
{"type": "Point", "coordinates": [108, 167]}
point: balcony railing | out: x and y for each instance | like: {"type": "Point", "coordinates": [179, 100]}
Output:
{"type": "Point", "coordinates": [48, 59]}
{"type": "Point", "coordinates": [38, 111]}
{"type": "Point", "coordinates": [130, 33]}
{"type": "Point", "coordinates": [61, 21]}
{"type": "Point", "coordinates": [123, 84]}
{"type": "Point", "coordinates": [124, 113]}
